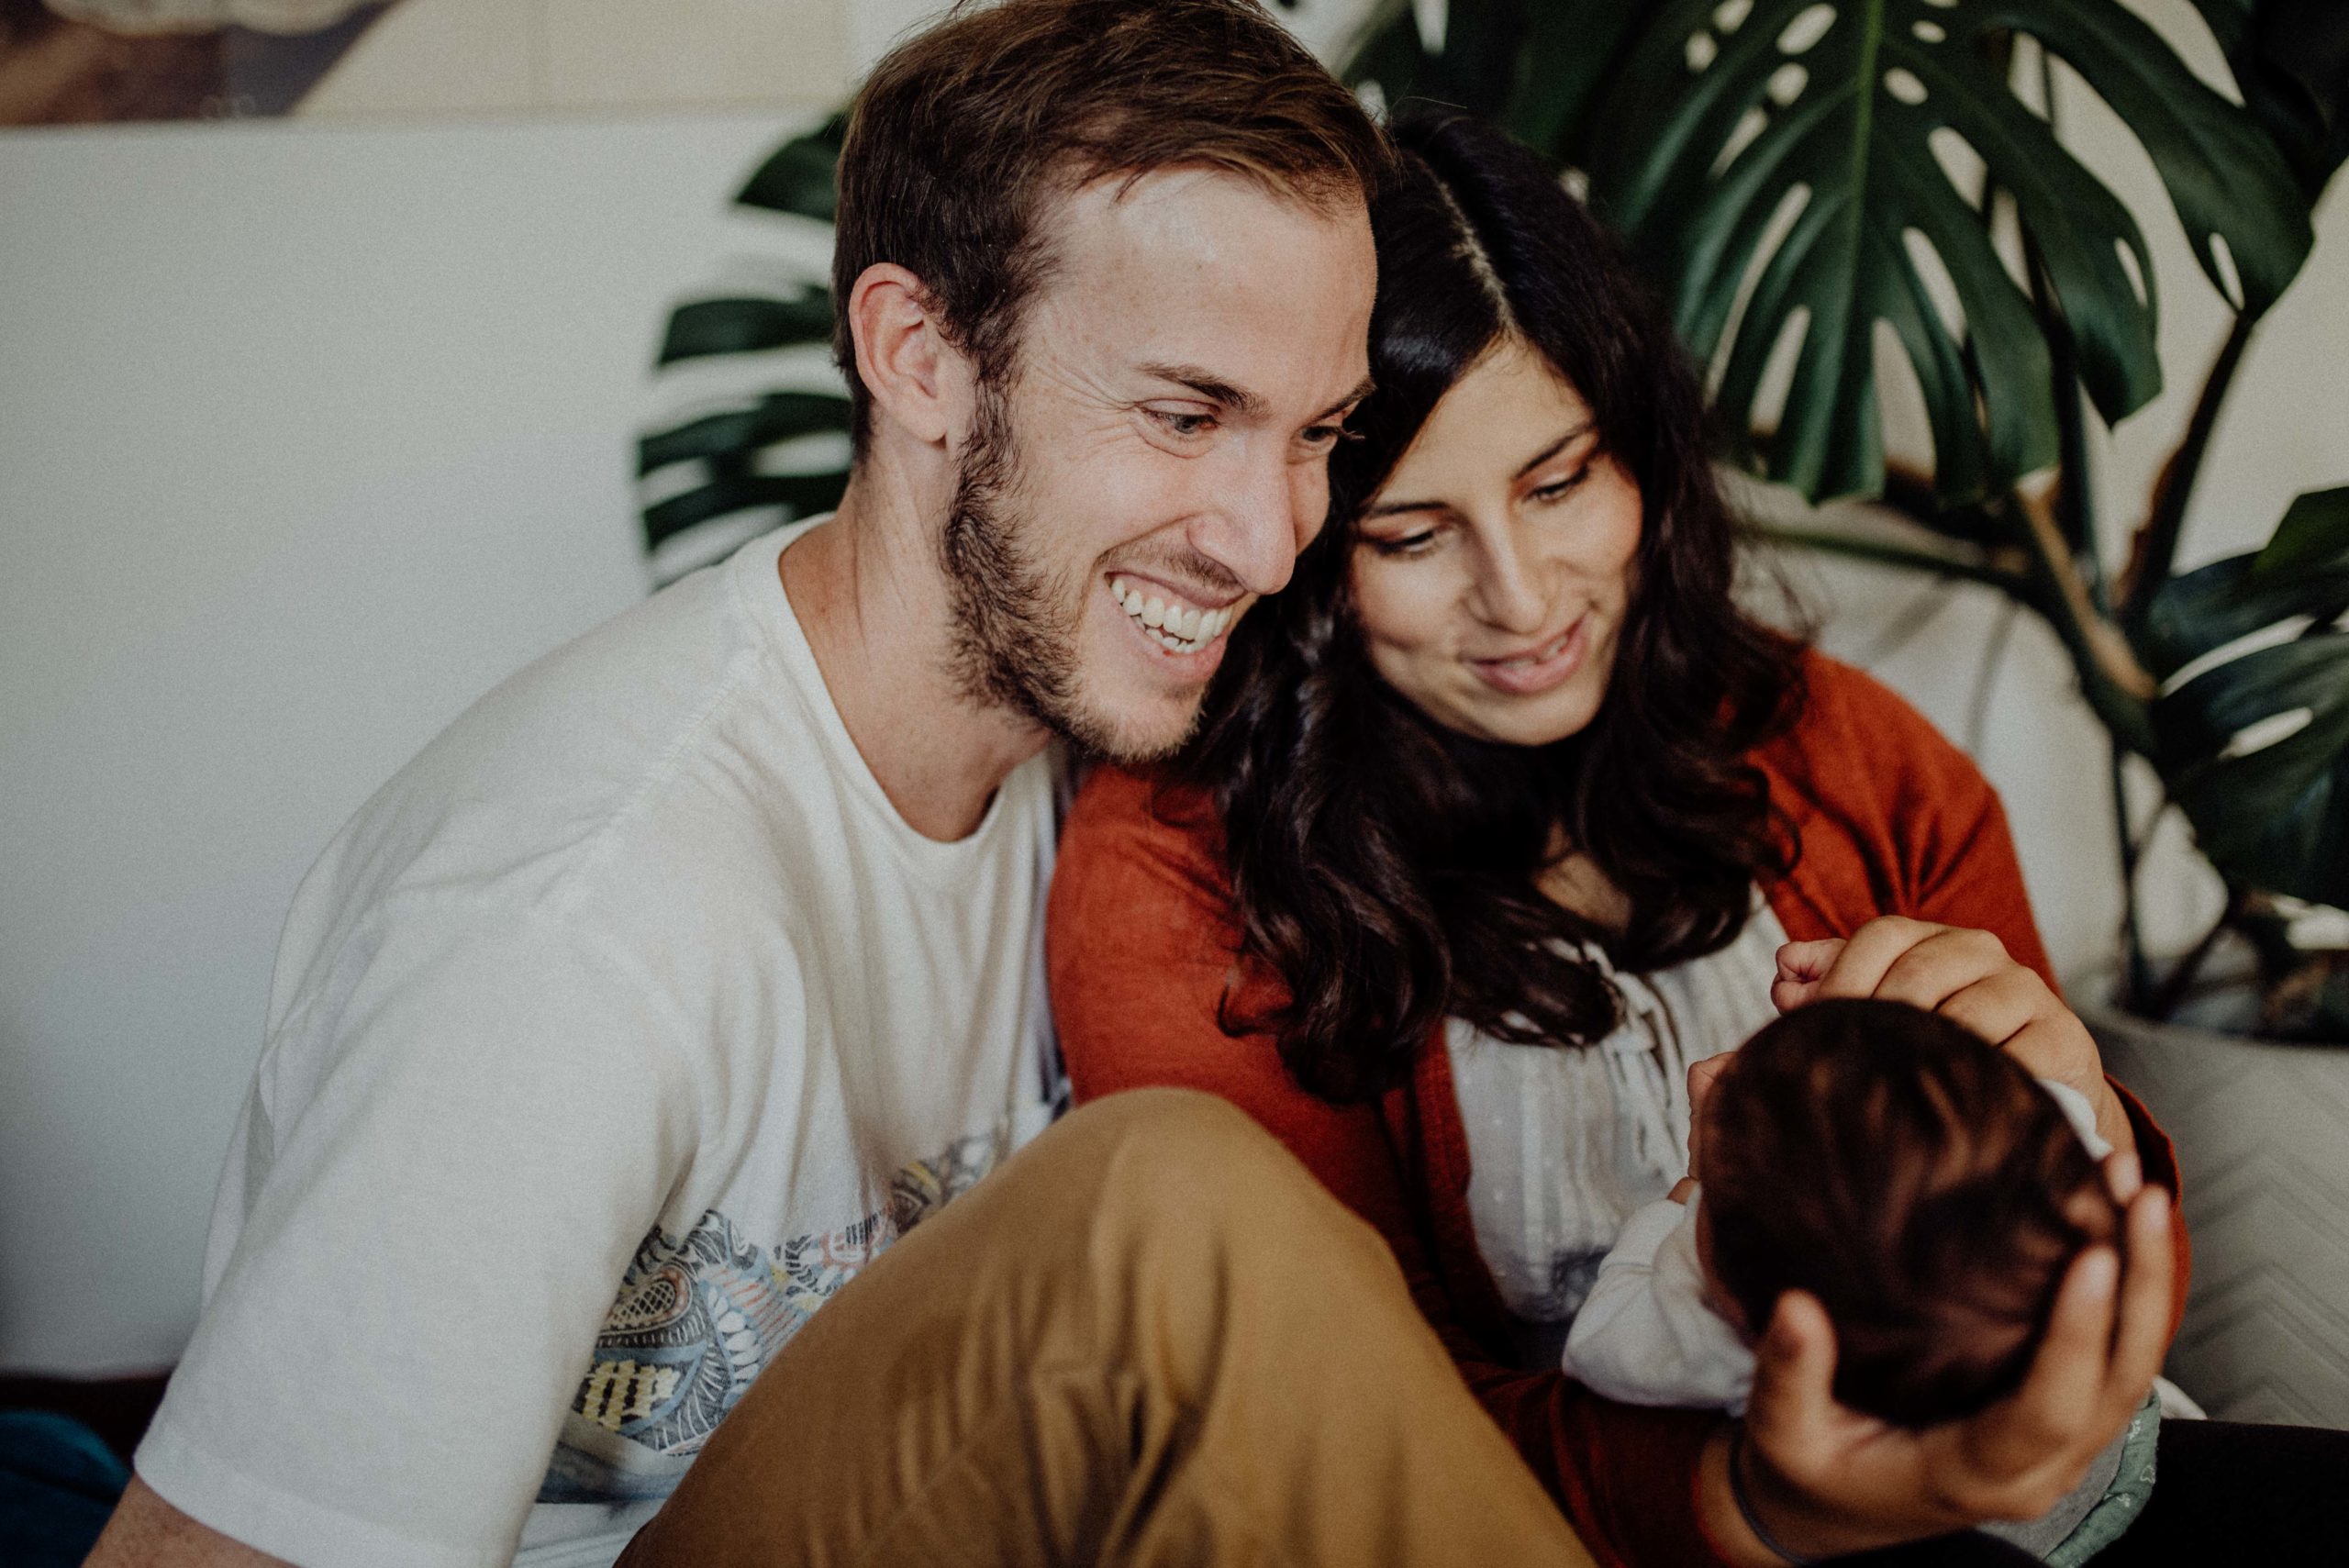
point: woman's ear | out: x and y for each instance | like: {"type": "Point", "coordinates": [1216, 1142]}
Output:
{"type": "Point", "coordinates": [917, 379]}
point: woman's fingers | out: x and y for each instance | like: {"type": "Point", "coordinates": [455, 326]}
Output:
{"type": "Point", "coordinates": [1871, 952]}
{"type": "Point", "coordinates": [1793, 1414]}
{"type": "Point", "coordinates": [2059, 1411]}
{"type": "Point", "coordinates": [1793, 1405]}
{"type": "Point", "coordinates": [2147, 1293]}
{"type": "Point", "coordinates": [1944, 963]}
{"type": "Point", "coordinates": [2125, 1176]}
{"type": "Point", "coordinates": [2001, 1007]}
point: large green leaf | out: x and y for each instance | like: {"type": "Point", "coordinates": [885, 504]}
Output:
{"type": "Point", "coordinates": [1531, 68]}
{"type": "Point", "coordinates": [797, 177]}
{"type": "Point", "coordinates": [2270, 812]}
{"type": "Point", "coordinates": [2303, 570]}
{"type": "Point", "coordinates": [716, 462]}
{"type": "Point", "coordinates": [2290, 59]}
{"type": "Point", "coordinates": [736, 325]}
{"type": "Point", "coordinates": [2254, 749]}
{"type": "Point", "coordinates": [1847, 114]}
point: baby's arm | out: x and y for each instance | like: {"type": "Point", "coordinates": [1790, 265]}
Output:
{"type": "Point", "coordinates": [1645, 1335]}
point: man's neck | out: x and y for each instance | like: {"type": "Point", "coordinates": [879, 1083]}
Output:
{"type": "Point", "coordinates": [873, 602]}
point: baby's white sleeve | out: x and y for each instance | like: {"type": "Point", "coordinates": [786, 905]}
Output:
{"type": "Point", "coordinates": [1644, 1336]}
{"type": "Point", "coordinates": [2080, 1114]}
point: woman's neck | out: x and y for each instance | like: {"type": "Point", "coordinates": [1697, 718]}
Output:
{"type": "Point", "coordinates": [1575, 884]}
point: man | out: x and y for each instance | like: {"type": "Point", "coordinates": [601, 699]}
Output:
{"type": "Point", "coordinates": [699, 962]}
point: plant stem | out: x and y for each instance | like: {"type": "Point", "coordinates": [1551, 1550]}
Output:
{"type": "Point", "coordinates": [2164, 1002]}
{"type": "Point", "coordinates": [1986, 678]}
{"type": "Point", "coordinates": [2156, 545]}
{"type": "Point", "coordinates": [2136, 975]}
{"type": "Point", "coordinates": [1830, 542]}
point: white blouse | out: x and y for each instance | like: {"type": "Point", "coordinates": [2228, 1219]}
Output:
{"type": "Point", "coordinates": [1564, 1145]}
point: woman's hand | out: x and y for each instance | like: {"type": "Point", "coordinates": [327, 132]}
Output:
{"type": "Point", "coordinates": [1965, 976]}
{"type": "Point", "coordinates": [1826, 1480]}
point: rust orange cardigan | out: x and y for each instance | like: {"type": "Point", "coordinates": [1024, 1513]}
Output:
{"type": "Point", "coordinates": [1892, 819]}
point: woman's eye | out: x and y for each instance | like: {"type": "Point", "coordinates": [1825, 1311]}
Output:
{"type": "Point", "coordinates": [1558, 489]}
{"type": "Point", "coordinates": [1183, 423]}
{"type": "Point", "coordinates": [1418, 543]}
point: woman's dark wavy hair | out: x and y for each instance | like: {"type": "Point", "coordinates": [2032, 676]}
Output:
{"type": "Point", "coordinates": [1383, 867]}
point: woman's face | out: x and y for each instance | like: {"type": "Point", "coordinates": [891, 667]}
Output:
{"type": "Point", "coordinates": [1494, 567]}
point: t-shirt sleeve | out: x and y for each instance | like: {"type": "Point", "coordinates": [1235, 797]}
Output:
{"type": "Point", "coordinates": [498, 1112]}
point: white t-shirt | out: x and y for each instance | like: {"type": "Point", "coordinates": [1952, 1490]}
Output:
{"type": "Point", "coordinates": [618, 1031]}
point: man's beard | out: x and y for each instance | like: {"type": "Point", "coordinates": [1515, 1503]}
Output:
{"type": "Point", "coordinates": [1015, 637]}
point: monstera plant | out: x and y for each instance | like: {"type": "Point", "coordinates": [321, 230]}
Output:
{"type": "Point", "coordinates": [1804, 178]}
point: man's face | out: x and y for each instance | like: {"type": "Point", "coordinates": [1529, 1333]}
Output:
{"type": "Point", "coordinates": [1159, 455]}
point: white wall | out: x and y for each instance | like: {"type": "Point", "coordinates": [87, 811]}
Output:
{"type": "Point", "coordinates": [309, 435]}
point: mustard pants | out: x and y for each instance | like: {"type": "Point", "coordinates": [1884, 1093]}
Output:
{"type": "Point", "coordinates": [1149, 1339]}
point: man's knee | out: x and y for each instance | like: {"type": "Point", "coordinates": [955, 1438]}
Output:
{"type": "Point", "coordinates": [1188, 1149]}
{"type": "Point", "coordinates": [1178, 1162]}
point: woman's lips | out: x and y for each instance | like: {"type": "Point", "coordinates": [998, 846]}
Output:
{"type": "Point", "coordinates": [1539, 668]}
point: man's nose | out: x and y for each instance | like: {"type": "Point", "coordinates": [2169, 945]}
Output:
{"type": "Point", "coordinates": [1267, 513]}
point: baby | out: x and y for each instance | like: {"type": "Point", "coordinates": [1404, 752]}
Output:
{"type": "Point", "coordinates": [1917, 1181]}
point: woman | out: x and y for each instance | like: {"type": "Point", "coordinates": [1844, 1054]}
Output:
{"type": "Point", "coordinates": [1498, 819]}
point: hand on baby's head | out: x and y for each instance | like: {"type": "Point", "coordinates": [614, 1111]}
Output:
{"type": "Point", "coordinates": [1911, 1177]}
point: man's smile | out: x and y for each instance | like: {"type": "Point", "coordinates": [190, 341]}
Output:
{"type": "Point", "coordinates": [1168, 619]}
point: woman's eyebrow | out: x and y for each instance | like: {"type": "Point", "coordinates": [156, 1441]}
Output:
{"type": "Point", "coordinates": [1553, 449]}
{"type": "Point", "coordinates": [1395, 508]}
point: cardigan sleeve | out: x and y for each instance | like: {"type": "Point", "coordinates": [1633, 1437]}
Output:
{"type": "Point", "coordinates": [1140, 948]}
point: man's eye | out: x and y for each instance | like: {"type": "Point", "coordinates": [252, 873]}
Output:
{"type": "Point", "coordinates": [1327, 436]}
{"type": "Point", "coordinates": [1179, 422]}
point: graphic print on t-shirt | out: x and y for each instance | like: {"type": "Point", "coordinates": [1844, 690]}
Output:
{"type": "Point", "coordinates": [699, 1316]}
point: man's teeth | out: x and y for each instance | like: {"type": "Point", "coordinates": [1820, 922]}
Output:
{"type": "Point", "coordinates": [1184, 628]}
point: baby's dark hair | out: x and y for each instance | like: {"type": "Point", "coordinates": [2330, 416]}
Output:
{"type": "Point", "coordinates": [1917, 1181]}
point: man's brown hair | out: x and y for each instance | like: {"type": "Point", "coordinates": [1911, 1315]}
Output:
{"type": "Point", "coordinates": [1917, 1181]}
{"type": "Point", "coordinates": [961, 132]}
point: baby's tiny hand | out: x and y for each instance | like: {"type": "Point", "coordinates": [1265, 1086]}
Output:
{"type": "Point", "coordinates": [1702, 1077]}
{"type": "Point", "coordinates": [1801, 966]}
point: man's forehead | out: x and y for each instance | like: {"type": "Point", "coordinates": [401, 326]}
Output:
{"type": "Point", "coordinates": [1201, 212]}
{"type": "Point", "coordinates": [1211, 272]}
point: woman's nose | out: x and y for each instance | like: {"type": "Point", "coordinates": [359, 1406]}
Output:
{"type": "Point", "coordinates": [1507, 592]}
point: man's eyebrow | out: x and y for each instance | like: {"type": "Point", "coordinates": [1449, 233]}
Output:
{"type": "Point", "coordinates": [1239, 400]}
{"type": "Point", "coordinates": [1362, 389]}
{"type": "Point", "coordinates": [1553, 449]}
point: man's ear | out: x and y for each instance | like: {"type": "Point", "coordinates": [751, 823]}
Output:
{"type": "Point", "coordinates": [916, 377]}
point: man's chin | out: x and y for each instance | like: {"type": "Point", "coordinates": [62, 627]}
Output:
{"type": "Point", "coordinates": [1128, 738]}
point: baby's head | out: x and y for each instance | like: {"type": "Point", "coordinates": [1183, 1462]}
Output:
{"type": "Point", "coordinates": [1912, 1177]}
